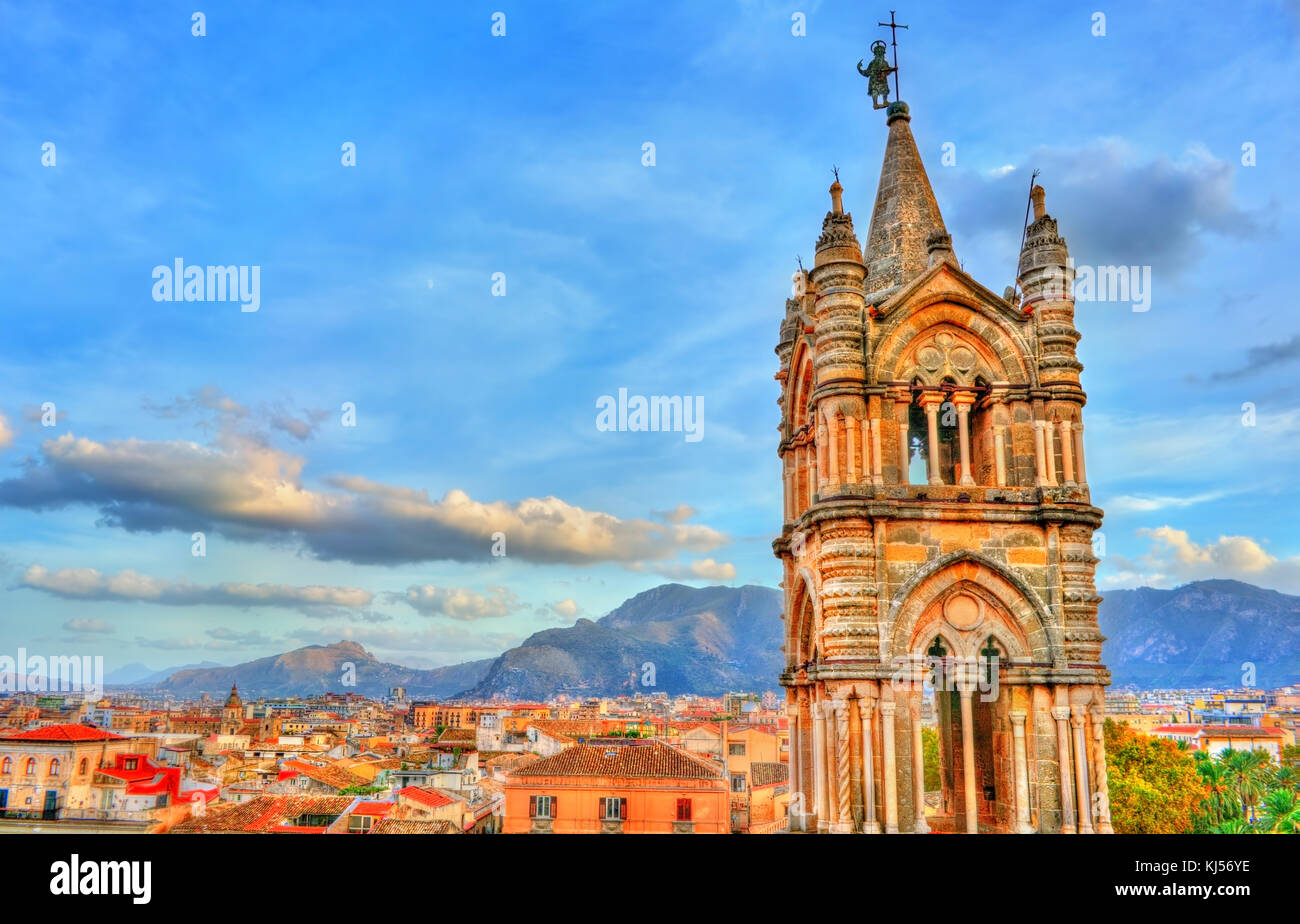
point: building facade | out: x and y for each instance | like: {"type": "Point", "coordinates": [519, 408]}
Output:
{"type": "Point", "coordinates": [937, 536]}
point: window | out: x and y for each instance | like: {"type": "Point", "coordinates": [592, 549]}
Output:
{"type": "Point", "coordinates": [131, 763]}
{"type": "Point", "coordinates": [84, 766]}
{"type": "Point", "coordinates": [54, 766]}
{"type": "Point", "coordinates": [30, 768]}
{"type": "Point", "coordinates": [683, 809]}
{"type": "Point", "coordinates": [541, 806]}
{"type": "Point", "coordinates": [359, 824]}
{"type": "Point", "coordinates": [614, 808]}
{"type": "Point", "coordinates": [737, 782]}
{"type": "Point", "coordinates": [736, 750]}
{"type": "Point", "coordinates": [7, 767]}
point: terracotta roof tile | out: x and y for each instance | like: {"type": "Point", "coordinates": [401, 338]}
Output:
{"type": "Point", "coordinates": [430, 797]}
{"type": "Point", "coordinates": [402, 826]}
{"type": "Point", "coordinates": [652, 760]}
{"type": "Point", "coordinates": [64, 733]}
{"type": "Point", "coordinates": [261, 815]}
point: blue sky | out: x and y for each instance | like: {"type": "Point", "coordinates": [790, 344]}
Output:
{"type": "Point", "coordinates": [522, 154]}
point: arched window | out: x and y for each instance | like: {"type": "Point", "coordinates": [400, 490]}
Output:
{"type": "Point", "coordinates": [54, 766]}
{"type": "Point", "coordinates": [85, 765]}
{"type": "Point", "coordinates": [7, 767]}
{"type": "Point", "coordinates": [30, 768]}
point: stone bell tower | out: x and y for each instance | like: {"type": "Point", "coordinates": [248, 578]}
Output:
{"type": "Point", "coordinates": [936, 545]}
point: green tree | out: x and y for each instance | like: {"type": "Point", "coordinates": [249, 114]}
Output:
{"type": "Point", "coordinates": [1154, 787]}
{"type": "Point", "coordinates": [930, 753]}
{"type": "Point", "coordinates": [1285, 777]}
{"type": "Point", "coordinates": [1291, 756]}
{"type": "Point", "coordinates": [1248, 772]}
{"type": "Point", "coordinates": [1220, 802]}
{"type": "Point", "coordinates": [1281, 813]}
{"type": "Point", "coordinates": [362, 790]}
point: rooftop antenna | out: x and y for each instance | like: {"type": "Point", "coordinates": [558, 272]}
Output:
{"type": "Point", "coordinates": [1024, 231]}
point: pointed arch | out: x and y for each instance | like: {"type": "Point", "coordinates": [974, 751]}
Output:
{"type": "Point", "coordinates": [805, 617]}
{"type": "Point", "coordinates": [1030, 630]}
{"type": "Point", "coordinates": [1001, 354]}
{"type": "Point", "coordinates": [799, 386]}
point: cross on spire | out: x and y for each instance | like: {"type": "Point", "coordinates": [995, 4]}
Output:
{"type": "Point", "coordinates": [893, 32]}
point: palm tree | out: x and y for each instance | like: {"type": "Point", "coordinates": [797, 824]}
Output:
{"type": "Point", "coordinates": [1220, 799]}
{"type": "Point", "coordinates": [1233, 826]}
{"type": "Point", "coordinates": [1246, 771]}
{"type": "Point", "coordinates": [1281, 813]}
{"type": "Point", "coordinates": [1286, 778]}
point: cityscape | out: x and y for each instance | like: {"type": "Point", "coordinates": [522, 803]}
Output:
{"type": "Point", "coordinates": [342, 763]}
{"type": "Point", "coordinates": [654, 418]}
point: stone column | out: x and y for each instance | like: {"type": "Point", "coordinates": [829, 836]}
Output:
{"type": "Point", "coordinates": [963, 403]}
{"type": "Point", "coordinates": [1062, 716]}
{"type": "Point", "coordinates": [870, 825]}
{"type": "Point", "coordinates": [932, 423]}
{"type": "Point", "coordinates": [965, 692]}
{"type": "Point", "coordinates": [823, 463]}
{"type": "Point", "coordinates": [904, 454]}
{"type": "Point", "coordinates": [1040, 452]}
{"type": "Point", "coordinates": [1104, 825]}
{"type": "Point", "coordinates": [794, 483]}
{"type": "Point", "coordinates": [918, 763]}
{"type": "Point", "coordinates": [877, 466]}
{"type": "Point", "coordinates": [843, 770]}
{"type": "Point", "coordinates": [833, 473]}
{"type": "Point", "coordinates": [1000, 455]}
{"type": "Point", "coordinates": [788, 473]}
{"type": "Point", "coordinates": [819, 766]}
{"type": "Point", "coordinates": [890, 766]}
{"type": "Point", "coordinates": [828, 757]}
{"type": "Point", "coordinates": [1067, 451]}
{"type": "Point", "coordinates": [854, 453]}
{"type": "Point", "coordinates": [1079, 720]}
{"type": "Point", "coordinates": [796, 775]}
{"type": "Point", "coordinates": [1078, 452]}
{"type": "Point", "coordinates": [1049, 444]}
{"type": "Point", "coordinates": [814, 471]}
{"type": "Point", "coordinates": [1023, 825]}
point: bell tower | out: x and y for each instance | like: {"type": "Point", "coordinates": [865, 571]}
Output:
{"type": "Point", "coordinates": [937, 537]}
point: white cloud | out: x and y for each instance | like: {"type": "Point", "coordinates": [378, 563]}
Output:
{"type": "Point", "coordinates": [131, 586]}
{"type": "Point", "coordinates": [1147, 503]}
{"type": "Point", "coordinates": [703, 569]}
{"type": "Point", "coordinates": [458, 602]}
{"type": "Point", "coordinates": [88, 626]}
{"type": "Point", "coordinates": [252, 491]}
{"type": "Point", "coordinates": [567, 608]}
{"type": "Point", "coordinates": [1174, 558]}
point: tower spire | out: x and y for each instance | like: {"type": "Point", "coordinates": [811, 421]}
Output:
{"type": "Point", "coordinates": [905, 215]}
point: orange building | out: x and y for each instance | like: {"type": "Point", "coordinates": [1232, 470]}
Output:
{"type": "Point", "coordinates": [642, 787]}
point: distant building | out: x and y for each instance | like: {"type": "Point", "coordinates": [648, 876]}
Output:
{"type": "Point", "coordinates": [48, 772]}
{"type": "Point", "coordinates": [633, 788]}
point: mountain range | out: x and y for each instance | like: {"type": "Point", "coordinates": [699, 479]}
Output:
{"type": "Point", "coordinates": [709, 640]}
{"type": "Point", "coordinates": [1207, 633]}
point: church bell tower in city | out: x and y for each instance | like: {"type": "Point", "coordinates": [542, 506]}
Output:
{"type": "Point", "coordinates": [937, 541]}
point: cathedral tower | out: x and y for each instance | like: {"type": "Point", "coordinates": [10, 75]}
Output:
{"type": "Point", "coordinates": [937, 539]}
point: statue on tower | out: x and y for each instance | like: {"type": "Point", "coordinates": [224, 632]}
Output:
{"type": "Point", "coordinates": [877, 74]}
